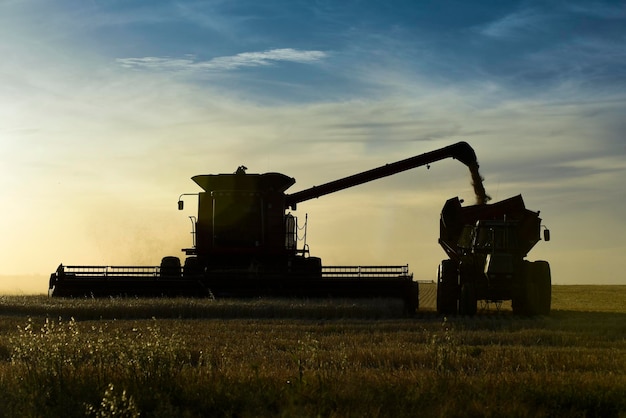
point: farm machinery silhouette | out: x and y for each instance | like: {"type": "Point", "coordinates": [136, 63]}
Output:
{"type": "Point", "coordinates": [245, 245]}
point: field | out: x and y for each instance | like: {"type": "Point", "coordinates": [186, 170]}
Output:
{"type": "Point", "coordinates": [292, 358]}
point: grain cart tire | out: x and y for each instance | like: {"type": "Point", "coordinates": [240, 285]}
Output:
{"type": "Point", "coordinates": [447, 288]}
{"type": "Point", "coordinates": [543, 287]}
{"type": "Point", "coordinates": [468, 304]}
{"type": "Point", "coordinates": [521, 299]}
{"type": "Point", "coordinates": [170, 267]}
{"type": "Point", "coordinates": [467, 298]}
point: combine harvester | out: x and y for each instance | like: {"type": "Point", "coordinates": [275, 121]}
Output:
{"type": "Point", "coordinates": [245, 245]}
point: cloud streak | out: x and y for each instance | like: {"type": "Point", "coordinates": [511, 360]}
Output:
{"type": "Point", "coordinates": [599, 9]}
{"type": "Point", "coordinates": [516, 24]}
{"type": "Point", "coordinates": [225, 63]}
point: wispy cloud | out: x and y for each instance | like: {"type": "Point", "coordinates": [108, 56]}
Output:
{"type": "Point", "coordinates": [225, 63]}
{"type": "Point", "coordinates": [514, 24]}
{"type": "Point", "coordinates": [585, 60]}
{"type": "Point", "coordinates": [599, 9]}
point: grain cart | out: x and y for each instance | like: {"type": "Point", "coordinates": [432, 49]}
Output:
{"type": "Point", "coordinates": [245, 245]}
{"type": "Point", "coordinates": [487, 246]}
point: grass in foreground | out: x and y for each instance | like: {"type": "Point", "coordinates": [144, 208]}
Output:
{"type": "Point", "coordinates": [315, 358]}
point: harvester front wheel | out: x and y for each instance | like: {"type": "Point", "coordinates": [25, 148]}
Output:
{"type": "Point", "coordinates": [306, 268]}
{"type": "Point", "coordinates": [447, 288]}
{"type": "Point", "coordinates": [170, 267]}
{"type": "Point", "coordinates": [192, 267]}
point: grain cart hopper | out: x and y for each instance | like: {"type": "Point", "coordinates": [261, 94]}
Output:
{"type": "Point", "coordinates": [245, 240]}
{"type": "Point", "coordinates": [487, 246]}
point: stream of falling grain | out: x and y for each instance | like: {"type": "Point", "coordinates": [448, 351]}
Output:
{"type": "Point", "coordinates": [477, 182]}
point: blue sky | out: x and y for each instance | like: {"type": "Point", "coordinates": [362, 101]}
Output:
{"type": "Point", "coordinates": [109, 107]}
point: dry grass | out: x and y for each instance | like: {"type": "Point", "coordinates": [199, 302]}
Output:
{"type": "Point", "coordinates": [311, 358]}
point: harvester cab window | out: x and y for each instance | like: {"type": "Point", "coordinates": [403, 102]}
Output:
{"type": "Point", "coordinates": [237, 220]}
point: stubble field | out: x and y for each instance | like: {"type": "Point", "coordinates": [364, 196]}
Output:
{"type": "Point", "coordinates": [185, 357]}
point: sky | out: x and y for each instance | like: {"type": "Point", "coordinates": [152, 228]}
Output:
{"type": "Point", "coordinates": [109, 107]}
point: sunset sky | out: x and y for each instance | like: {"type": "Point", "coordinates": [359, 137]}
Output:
{"type": "Point", "coordinates": [108, 108]}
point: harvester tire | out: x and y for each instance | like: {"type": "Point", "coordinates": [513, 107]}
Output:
{"type": "Point", "coordinates": [192, 267]}
{"type": "Point", "coordinates": [170, 267]}
{"type": "Point", "coordinates": [468, 304]}
{"type": "Point", "coordinates": [411, 298]}
{"type": "Point", "coordinates": [447, 288]}
{"type": "Point", "coordinates": [306, 268]}
{"type": "Point", "coordinates": [314, 267]}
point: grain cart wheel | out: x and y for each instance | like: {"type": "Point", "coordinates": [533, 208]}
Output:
{"type": "Point", "coordinates": [543, 287]}
{"type": "Point", "coordinates": [468, 304]}
{"type": "Point", "coordinates": [521, 292]}
{"type": "Point", "coordinates": [447, 288]}
{"type": "Point", "coordinates": [467, 299]}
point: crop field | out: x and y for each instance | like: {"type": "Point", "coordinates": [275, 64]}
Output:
{"type": "Point", "coordinates": [310, 358]}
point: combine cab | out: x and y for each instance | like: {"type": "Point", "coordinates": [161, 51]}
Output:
{"type": "Point", "coordinates": [487, 246]}
{"type": "Point", "coordinates": [245, 237]}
